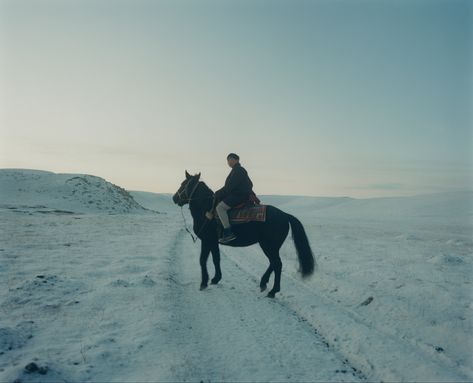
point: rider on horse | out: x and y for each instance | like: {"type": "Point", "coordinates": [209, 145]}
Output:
{"type": "Point", "coordinates": [270, 233]}
{"type": "Point", "coordinates": [238, 189]}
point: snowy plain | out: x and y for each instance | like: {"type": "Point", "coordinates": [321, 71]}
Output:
{"type": "Point", "coordinates": [100, 284]}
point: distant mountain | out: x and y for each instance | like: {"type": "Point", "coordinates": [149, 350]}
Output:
{"type": "Point", "coordinates": [429, 207]}
{"type": "Point", "coordinates": [306, 204]}
{"type": "Point", "coordinates": [439, 208]}
{"type": "Point", "coordinates": [44, 191]}
{"type": "Point", "coordinates": [161, 202]}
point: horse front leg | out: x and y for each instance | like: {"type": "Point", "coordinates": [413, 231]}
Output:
{"type": "Point", "coordinates": [204, 255]}
{"type": "Point", "coordinates": [216, 260]}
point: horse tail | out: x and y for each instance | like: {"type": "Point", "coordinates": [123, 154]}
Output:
{"type": "Point", "coordinates": [304, 252]}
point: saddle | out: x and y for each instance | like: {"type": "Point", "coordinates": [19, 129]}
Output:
{"type": "Point", "coordinates": [249, 211]}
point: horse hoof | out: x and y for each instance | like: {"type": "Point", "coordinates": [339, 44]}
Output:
{"type": "Point", "coordinates": [203, 287]}
{"type": "Point", "coordinates": [263, 288]}
{"type": "Point", "coordinates": [271, 295]}
{"type": "Point", "coordinates": [215, 281]}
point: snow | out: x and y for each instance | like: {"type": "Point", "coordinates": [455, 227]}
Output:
{"type": "Point", "coordinates": [64, 193]}
{"type": "Point", "coordinates": [109, 290]}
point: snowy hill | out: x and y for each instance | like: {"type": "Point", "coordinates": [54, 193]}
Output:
{"type": "Point", "coordinates": [41, 191]}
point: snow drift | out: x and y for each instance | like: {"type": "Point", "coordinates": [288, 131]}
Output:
{"type": "Point", "coordinates": [47, 192]}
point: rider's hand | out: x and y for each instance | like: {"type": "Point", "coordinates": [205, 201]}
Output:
{"type": "Point", "coordinates": [209, 215]}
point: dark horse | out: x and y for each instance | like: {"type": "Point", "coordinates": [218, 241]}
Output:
{"type": "Point", "coordinates": [270, 234]}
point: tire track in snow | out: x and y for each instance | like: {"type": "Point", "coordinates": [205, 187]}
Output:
{"type": "Point", "coordinates": [348, 367]}
{"type": "Point", "coordinates": [231, 333]}
{"type": "Point", "coordinates": [364, 347]}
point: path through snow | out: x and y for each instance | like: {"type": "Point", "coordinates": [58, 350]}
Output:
{"type": "Point", "coordinates": [231, 332]}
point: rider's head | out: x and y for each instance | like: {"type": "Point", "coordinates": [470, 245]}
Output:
{"type": "Point", "coordinates": [232, 159]}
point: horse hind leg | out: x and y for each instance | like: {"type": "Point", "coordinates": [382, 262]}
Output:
{"type": "Point", "coordinates": [265, 278]}
{"type": "Point", "coordinates": [277, 267]}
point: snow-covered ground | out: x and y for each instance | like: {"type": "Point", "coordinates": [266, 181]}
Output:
{"type": "Point", "coordinates": [95, 288]}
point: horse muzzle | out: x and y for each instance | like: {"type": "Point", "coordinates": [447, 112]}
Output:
{"type": "Point", "coordinates": [178, 201]}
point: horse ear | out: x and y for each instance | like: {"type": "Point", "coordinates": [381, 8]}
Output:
{"type": "Point", "coordinates": [198, 176]}
{"type": "Point", "coordinates": [187, 175]}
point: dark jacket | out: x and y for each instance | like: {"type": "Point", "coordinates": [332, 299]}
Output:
{"type": "Point", "coordinates": [238, 187]}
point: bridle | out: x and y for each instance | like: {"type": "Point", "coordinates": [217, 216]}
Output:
{"type": "Point", "coordinates": [189, 199]}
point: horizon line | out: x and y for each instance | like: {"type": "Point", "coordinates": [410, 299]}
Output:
{"type": "Point", "coordinates": [260, 194]}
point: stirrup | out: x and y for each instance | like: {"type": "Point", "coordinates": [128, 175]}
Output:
{"type": "Point", "coordinates": [226, 239]}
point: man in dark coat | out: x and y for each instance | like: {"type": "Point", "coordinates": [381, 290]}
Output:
{"type": "Point", "coordinates": [238, 188]}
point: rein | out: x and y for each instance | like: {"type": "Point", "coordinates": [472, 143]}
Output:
{"type": "Point", "coordinates": [194, 239]}
{"type": "Point", "coordinates": [189, 199]}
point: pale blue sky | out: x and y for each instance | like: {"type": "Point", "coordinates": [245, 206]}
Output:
{"type": "Point", "coordinates": [357, 98]}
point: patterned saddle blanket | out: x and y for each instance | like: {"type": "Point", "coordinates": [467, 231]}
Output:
{"type": "Point", "coordinates": [246, 214]}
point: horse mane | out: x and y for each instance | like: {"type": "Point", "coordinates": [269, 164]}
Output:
{"type": "Point", "coordinates": [203, 197]}
{"type": "Point", "coordinates": [207, 189]}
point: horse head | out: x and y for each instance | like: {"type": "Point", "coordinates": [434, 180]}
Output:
{"type": "Point", "coordinates": [184, 193]}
